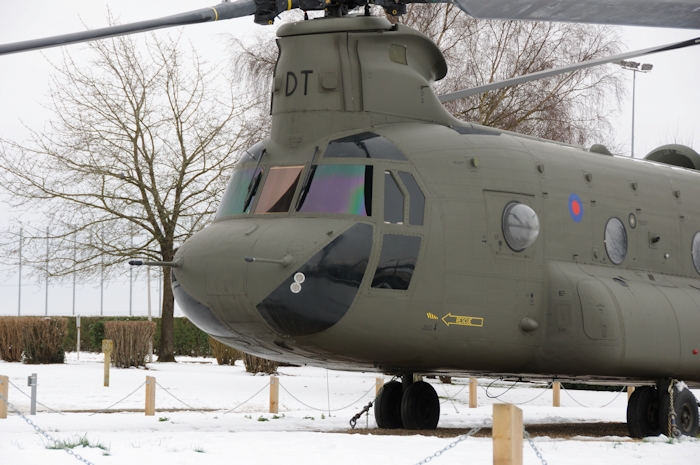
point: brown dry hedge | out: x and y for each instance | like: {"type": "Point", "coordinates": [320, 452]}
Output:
{"type": "Point", "coordinates": [255, 364]}
{"type": "Point", "coordinates": [12, 338]}
{"type": "Point", "coordinates": [225, 355]}
{"type": "Point", "coordinates": [131, 341]}
{"type": "Point", "coordinates": [44, 339]}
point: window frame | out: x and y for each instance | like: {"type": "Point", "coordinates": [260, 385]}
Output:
{"type": "Point", "coordinates": [605, 241]}
{"type": "Point", "coordinates": [503, 225]}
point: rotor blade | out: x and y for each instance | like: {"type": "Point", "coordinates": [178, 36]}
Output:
{"type": "Point", "coordinates": [660, 13]}
{"type": "Point", "coordinates": [215, 13]}
{"type": "Point", "coordinates": [564, 69]}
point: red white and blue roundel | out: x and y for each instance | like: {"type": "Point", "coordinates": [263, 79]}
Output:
{"type": "Point", "coordinates": [575, 207]}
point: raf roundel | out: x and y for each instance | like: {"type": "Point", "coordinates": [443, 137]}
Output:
{"type": "Point", "coordinates": [575, 207]}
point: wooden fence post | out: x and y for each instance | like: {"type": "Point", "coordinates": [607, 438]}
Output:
{"type": "Point", "coordinates": [472, 392]}
{"type": "Point", "coordinates": [507, 435]}
{"type": "Point", "coordinates": [150, 396]}
{"type": "Point", "coordinates": [4, 388]}
{"type": "Point", "coordinates": [556, 394]}
{"type": "Point", "coordinates": [630, 390]}
{"type": "Point", "coordinates": [107, 346]}
{"type": "Point", "coordinates": [274, 394]}
{"type": "Point", "coordinates": [379, 384]}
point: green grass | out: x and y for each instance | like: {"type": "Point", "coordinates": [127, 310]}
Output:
{"type": "Point", "coordinates": [76, 441]}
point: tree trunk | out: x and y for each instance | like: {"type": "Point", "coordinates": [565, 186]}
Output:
{"type": "Point", "coordinates": [165, 351]}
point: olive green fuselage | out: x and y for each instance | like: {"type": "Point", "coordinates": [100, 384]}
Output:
{"type": "Point", "coordinates": [559, 308]}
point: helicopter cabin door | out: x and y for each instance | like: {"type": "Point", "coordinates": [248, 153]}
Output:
{"type": "Point", "coordinates": [516, 273]}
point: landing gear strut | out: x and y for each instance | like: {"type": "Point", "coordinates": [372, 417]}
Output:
{"type": "Point", "coordinates": [648, 411]}
{"type": "Point", "coordinates": [410, 405]}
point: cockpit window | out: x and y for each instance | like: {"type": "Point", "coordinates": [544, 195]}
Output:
{"type": "Point", "coordinates": [279, 188]}
{"type": "Point", "coordinates": [364, 145]}
{"type": "Point", "coordinates": [393, 200]}
{"type": "Point", "coordinates": [417, 199]}
{"type": "Point", "coordinates": [339, 189]}
{"type": "Point", "coordinates": [235, 201]}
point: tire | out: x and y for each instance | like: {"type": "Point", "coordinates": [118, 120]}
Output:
{"type": "Point", "coordinates": [686, 408]}
{"type": "Point", "coordinates": [420, 407]}
{"type": "Point", "coordinates": [643, 413]}
{"type": "Point", "coordinates": [387, 407]}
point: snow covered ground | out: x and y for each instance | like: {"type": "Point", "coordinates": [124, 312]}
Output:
{"type": "Point", "coordinates": [302, 432]}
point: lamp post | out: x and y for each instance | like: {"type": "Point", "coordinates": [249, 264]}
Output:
{"type": "Point", "coordinates": [635, 68]}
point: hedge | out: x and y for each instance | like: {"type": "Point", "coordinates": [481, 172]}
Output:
{"type": "Point", "coordinates": [187, 338]}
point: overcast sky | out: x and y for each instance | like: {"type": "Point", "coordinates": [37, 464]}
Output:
{"type": "Point", "coordinates": [667, 99]}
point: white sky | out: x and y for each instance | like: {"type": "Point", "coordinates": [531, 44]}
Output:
{"type": "Point", "coordinates": [667, 101]}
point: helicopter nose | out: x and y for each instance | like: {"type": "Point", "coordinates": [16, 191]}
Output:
{"type": "Point", "coordinates": [300, 277]}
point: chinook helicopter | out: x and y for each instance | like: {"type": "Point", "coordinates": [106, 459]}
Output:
{"type": "Point", "coordinates": [373, 231]}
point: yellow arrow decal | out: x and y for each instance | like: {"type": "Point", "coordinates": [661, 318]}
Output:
{"type": "Point", "coordinates": [451, 319]}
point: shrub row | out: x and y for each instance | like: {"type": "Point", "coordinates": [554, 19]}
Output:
{"type": "Point", "coordinates": [33, 339]}
{"type": "Point", "coordinates": [45, 340]}
{"type": "Point", "coordinates": [187, 338]}
{"type": "Point", "coordinates": [131, 340]}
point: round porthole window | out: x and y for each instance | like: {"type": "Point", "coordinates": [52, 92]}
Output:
{"type": "Point", "coordinates": [520, 226]}
{"type": "Point", "coordinates": [615, 240]}
{"type": "Point", "coordinates": [695, 251]}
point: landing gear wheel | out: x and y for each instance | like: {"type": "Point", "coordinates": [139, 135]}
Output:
{"type": "Point", "coordinates": [387, 407]}
{"type": "Point", "coordinates": [686, 407]}
{"type": "Point", "coordinates": [643, 413]}
{"type": "Point", "coordinates": [420, 407]}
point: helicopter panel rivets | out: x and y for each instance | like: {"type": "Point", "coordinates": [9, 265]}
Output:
{"type": "Point", "coordinates": [299, 278]}
{"type": "Point", "coordinates": [295, 288]}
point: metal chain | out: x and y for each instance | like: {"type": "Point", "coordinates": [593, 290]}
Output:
{"type": "Point", "coordinates": [68, 450]}
{"type": "Point", "coordinates": [461, 438]}
{"type": "Point", "coordinates": [672, 427]}
{"type": "Point", "coordinates": [247, 400]}
{"type": "Point", "coordinates": [119, 401]}
{"type": "Point", "coordinates": [532, 444]}
{"type": "Point", "coordinates": [27, 395]}
{"type": "Point", "coordinates": [173, 396]}
{"type": "Point", "coordinates": [353, 420]}
{"type": "Point", "coordinates": [323, 409]}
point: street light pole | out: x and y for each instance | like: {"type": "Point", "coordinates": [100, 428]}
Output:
{"type": "Point", "coordinates": [635, 68]}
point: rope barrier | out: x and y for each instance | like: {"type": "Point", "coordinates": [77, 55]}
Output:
{"type": "Point", "coordinates": [624, 388]}
{"type": "Point", "coordinates": [247, 400]}
{"type": "Point", "coordinates": [324, 410]}
{"type": "Point", "coordinates": [511, 387]}
{"type": "Point", "coordinates": [45, 406]}
{"type": "Point", "coordinates": [450, 398]}
{"type": "Point", "coordinates": [173, 396]}
{"type": "Point", "coordinates": [120, 401]}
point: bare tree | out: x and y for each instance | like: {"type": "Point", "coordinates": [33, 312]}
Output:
{"type": "Point", "coordinates": [572, 108]}
{"type": "Point", "coordinates": [140, 143]}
